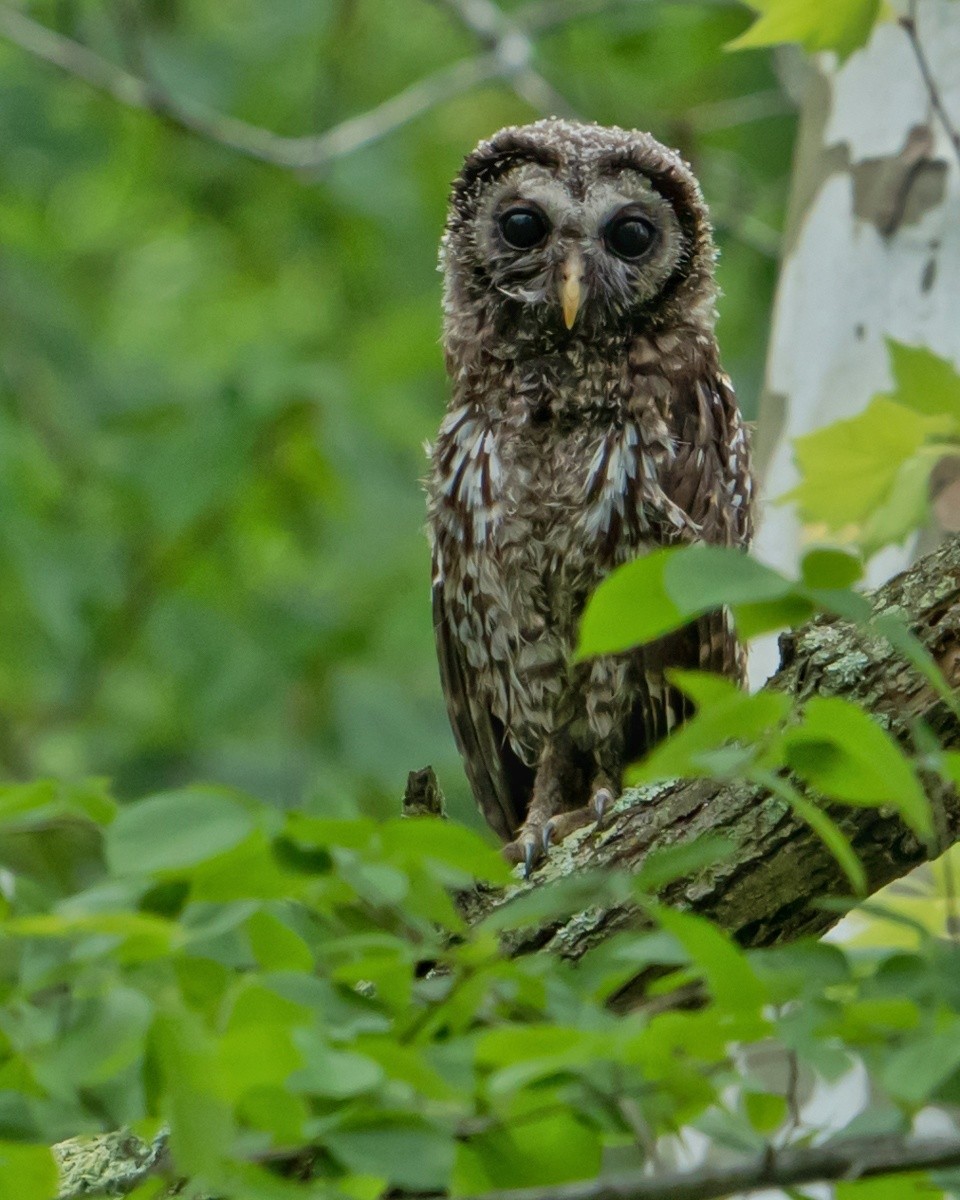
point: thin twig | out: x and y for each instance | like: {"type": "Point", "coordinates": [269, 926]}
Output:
{"type": "Point", "coordinates": [909, 25]}
{"type": "Point", "coordinates": [852, 1158]}
{"type": "Point", "coordinates": [298, 153]}
{"type": "Point", "coordinates": [792, 1095]}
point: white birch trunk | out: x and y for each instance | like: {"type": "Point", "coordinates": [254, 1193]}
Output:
{"type": "Point", "coordinates": [872, 251]}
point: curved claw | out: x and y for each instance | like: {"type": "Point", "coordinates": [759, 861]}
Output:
{"type": "Point", "coordinates": [601, 800]}
{"type": "Point", "coordinates": [529, 858]}
{"type": "Point", "coordinates": [547, 836]}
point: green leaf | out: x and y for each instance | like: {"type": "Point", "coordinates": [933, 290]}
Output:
{"type": "Point", "coordinates": [869, 476]}
{"type": "Point", "coordinates": [173, 830]}
{"type": "Point", "coordinates": [723, 740]}
{"type": "Point", "coordinates": [664, 590]}
{"type": "Point", "coordinates": [254, 1056]}
{"type": "Point", "coordinates": [27, 804]}
{"type": "Point", "coordinates": [538, 1152]}
{"type": "Point", "coordinates": [802, 968]}
{"type": "Point", "coordinates": [906, 507]}
{"type": "Point", "coordinates": [849, 468]}
{"type": "Point", "coordinates": [406, 1063]}
{"type": "Point", "coordinates": [831, 569]}
{"type": "Point", "coordinates": [887, 1187]}
{"type": "Point", "coordinates": [700, 577]}
{"type": "Point", "coordinates": [416, 839]}
{"type": "Point", "coordinates": [525, 1054]}
{"type": "Point", "coordinates": [840, 25]}
{"type": "Point", "coordinates": [726, 968]}
{"type": "Point", "coordinates": [924, 382]}
{"type": "Point", "coordinates": [842, 752]}
{"type": "Point", "coordinates": [823, 825]}
{"type": "Point", "coordinates": [791, 610]}
{"type": "Point", "coordinates": [766, 1111]}
{"type": "Point", "coordinates": [106, 1036]}
{"type": "Point", "coordinates": [201, 1122]}
{"type": "Point", "coordinates": [914, 1072]}
{"type": "Point", "coordinates": [629, 607]}
{"type": "Point", "coordinates": [413, 1155]}
{"type": "Point", "coordinates": [124, 936]}
{"type": "Point", "coordinates": [27, 1172]}
{"type": "Point", "coordinates": [337, 1074]}
{"type": "Point", "coordinates": [276, 946]}
{"type": "Point", "coordinates": [558, 899]}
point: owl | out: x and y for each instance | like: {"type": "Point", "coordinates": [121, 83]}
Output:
{"type": "Point", "coordinates": [590, 422]}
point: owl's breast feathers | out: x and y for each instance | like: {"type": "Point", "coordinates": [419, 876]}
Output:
{"type": "Point", "coordinates": [586, 461]}
{"type": "Point", "coordinates": [548, 474]}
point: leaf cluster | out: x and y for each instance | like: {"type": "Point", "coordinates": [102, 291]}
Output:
{"type": "Point", "coordinates": [299, 1001]}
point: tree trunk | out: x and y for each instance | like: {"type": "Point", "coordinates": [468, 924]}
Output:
{"type": "Point", "coordinates": [871, 250]}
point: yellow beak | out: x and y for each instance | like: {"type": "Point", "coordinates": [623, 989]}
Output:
{"type": "Point", "coordinates": [571, 281]}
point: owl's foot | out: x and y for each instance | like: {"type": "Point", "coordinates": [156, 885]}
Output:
{"type": "Point", "coordinates": [528, 847]}
{"type": "Point", "coordinates": [560, 826]}
{"type": "Point", "coordinates": [539, 833]}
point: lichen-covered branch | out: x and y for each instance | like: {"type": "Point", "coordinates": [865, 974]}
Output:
{"type": "Point", "coordinates": [772, 887]}
{"type": "Point", "coordinates": [110, 1164]}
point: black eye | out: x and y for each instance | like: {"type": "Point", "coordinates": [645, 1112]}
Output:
{"type": "Point", "coordinates": [630, 237]}
{"type": "Point", "coordinates": [523, 228]}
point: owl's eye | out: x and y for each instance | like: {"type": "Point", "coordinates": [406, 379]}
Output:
{"type": "Point", "coordinates": [523, 228]}
{"type": "Point", "coordinates": [630, 237]}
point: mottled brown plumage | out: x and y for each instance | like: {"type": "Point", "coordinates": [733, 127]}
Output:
{"type": "Point", "coordinates": [590, 421]}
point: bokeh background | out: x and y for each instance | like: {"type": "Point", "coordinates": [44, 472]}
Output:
{"type": "Point", "coordinates": [217, 374]}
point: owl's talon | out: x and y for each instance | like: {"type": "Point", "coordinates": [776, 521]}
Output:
{"type": "Point", "coordinates": [547, 836]}
{"type": "Point", "coordinates": [600, 801]}
{"type": "Point", "coordinates": [529, 857]}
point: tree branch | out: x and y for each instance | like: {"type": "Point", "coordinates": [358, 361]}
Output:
{"type": "Point", "coordinates": [297, 153]}
{"type": "Point", "coordinates": [116, 1163]}
{"type": "Point", "coordinates": [506, 56]}
{"type": "Point", "coordinates": [772, 888]}
{"type": "Point", "coordinates": [853, 1158]}
{"type": "Point", "coordinates": [909, 25]}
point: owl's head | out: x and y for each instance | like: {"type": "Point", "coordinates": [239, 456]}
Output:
{"type": "Point", "coordinates": [559, 230]}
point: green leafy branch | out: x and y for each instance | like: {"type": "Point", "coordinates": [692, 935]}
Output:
{"type": "Point", "coordinates": [304, 1006]}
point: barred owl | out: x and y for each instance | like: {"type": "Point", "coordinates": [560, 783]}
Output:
{"type": "Point", "coordinates": [590, 422]}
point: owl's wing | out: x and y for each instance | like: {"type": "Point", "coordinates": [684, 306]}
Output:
{"type": "Point", "coordinates": [707, 644]}
{"type": "Point", "coordinates": [709, 477]}
{"type": "Point", "coordinates": [709, 480]}
{"type": "Point", "coordinates": [500, 781]}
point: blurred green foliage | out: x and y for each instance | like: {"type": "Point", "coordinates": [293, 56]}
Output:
{"type": "Point", "coordinates": [217, 377]}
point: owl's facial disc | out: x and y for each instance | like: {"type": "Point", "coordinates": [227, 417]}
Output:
{"type": "Point", "coordinates": [578, 254]}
